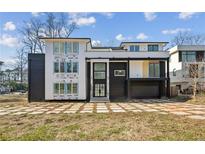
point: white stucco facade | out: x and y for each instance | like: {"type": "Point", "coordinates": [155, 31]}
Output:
{"type": "Point", "coordinates": [51, 77]}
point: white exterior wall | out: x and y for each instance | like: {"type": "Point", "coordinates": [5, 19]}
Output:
{"type": "Point", "coordinates": [143, 47]}
{"type": "Point", "coordinates": [136, 69]}
{"type": "Point", "coordinates": [175, 64]}
{"type": "Point", "coordinates": [51, 77]}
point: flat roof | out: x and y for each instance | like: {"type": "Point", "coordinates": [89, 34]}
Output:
{"type": "Point", "coordinates": [63, 38]}
{"type": "Point", "coordinates": [144, 42]}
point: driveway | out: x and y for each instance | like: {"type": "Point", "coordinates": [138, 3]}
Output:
{"type": "Point", "coordinates": [148, 105]}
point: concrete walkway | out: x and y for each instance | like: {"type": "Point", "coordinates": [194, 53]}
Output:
{"type": "Point", "coordinates": [153, 105]}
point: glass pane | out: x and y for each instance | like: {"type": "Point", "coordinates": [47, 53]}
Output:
{"type": "Point", "coordinates": [99, 66]}
{"type": "Point", "coordinates": [99, 90]}
{"type": "Point", "coordinates": [68, 67]}
{"type": "Point", "coordinates": [75, 67]}
{"type": "Point", "coordinates": [62, 67]}
{"type": "Point", "coordinates": [75, 88]}
{"type": "Point", "coordinates": [132, 48]}
{"type": "Point", "coordinates": [99, 75]}
{"type": "Point", "coordinates": [119, 72]}
{"type": "Point", "coordinates": [56, 67]}
{"type": "Point", "coordinates": [62, 47]}
{"type": "Point", "coordinates": [61, 88]}
{"type": "Point", "coordinates": [157, 70]}
{"type": "Point", "coordinates": [68, 88]}
{"type": "Point", "coordinates": [75, 47]}
{"type": "Point", "coordinates": [56, 88]}
{"type": "Point", "coordinates": [151, 70]}
{"type": "Point", "coordinates": [137, 48]}
{"type": "Point", "coordinates": [55, 47]}
{"type": "Point", "coordinates": [68, 47]}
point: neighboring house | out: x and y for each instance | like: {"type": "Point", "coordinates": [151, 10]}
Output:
{"type": "Point", "coordinates": [183, 58]}
{"type": "Point", "coordinates": [72, 69]}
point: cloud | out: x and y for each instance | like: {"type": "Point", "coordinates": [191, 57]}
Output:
{"type": "Point", "coordinates": [109, 15]}
{"type": "Point", "coordinates": [8, 40]}
{"type": "Point", "coordinates": [142, 36]}
{"type": "Point", "coordinates": [175, 31]}
{"type": "Point", "coordinates": [120, 37]}
{"type": "Point", "coordinates": [9, 26]}
{"type": "Point", "coordinates": [149, 16]}
{"type": "Point", "coordinates": [186, 15]}
{"type": "Point", "coordinates": [81, 19]}
{"type": "Point", "coordinates": [96, 43]}
{"type": "Point", "coordinates": [36, 14]}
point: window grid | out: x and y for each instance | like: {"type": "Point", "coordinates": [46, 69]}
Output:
{"type": "Point", "coordinates": [65, 47]}
{"type": "Point", "coordinates": [65, 88]}
{"type": "Point", "coordinates": [66, 67]}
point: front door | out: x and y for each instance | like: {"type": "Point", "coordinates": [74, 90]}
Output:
{"type": "Point", "coordinates": [99, 79]}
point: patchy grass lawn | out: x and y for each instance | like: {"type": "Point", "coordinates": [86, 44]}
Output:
{"type": "Point", "coordinates": [112, 126]}
{"type": "Point", "coordinates": [11, 98]}
{"type": "Point", "coordinates": [199, 100]}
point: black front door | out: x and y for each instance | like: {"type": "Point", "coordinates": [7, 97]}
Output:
{"type": "Point", "coordinates": [99, 79]}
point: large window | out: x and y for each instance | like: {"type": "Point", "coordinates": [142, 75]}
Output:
{"type": "Point", "coordinates": [62, 48]}
{"type": "Point", "coordinates": [154, 70]}
{"type": "Point", "coordinates": [69, 67]}
{"type": "Point", "coordinates": [66, 67]}
{"type": "Point", "coordinates": [188, 56]}
{"type": "Point", "coordinates": [65, 47]}
{"type": "Point", "coordinates": [62, 67]}
{"type": "Point", "coordinates": [99, 70]}
{"type": "Point", "coordinates": [153, 47]}
{"type": "Point", "coordinates": [134, 48]}
{"type": "Point", "coordinates": [56, 88]}
{"type": "Point", "coordinates": [56, 48]}
{"type": "Point", "coordinates": [75, 47]}
{"type": "Point", "coordinates": [68, 47]}
{"type": "Point", "coordinates": [65, 88]}
{"type": "Point", "coordinates": [56, 67]}
{"type": "Point", "coordinates": [62, 88]}
{"type": "Point", "coordinates": [75, 88]}
{"type": "Point", "coordinates": [75, 67]}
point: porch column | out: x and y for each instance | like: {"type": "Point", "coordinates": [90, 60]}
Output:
{"type": "Point", "coordinates": [168, 79]}
{"type": "Point", "coordinates": [128, 81]}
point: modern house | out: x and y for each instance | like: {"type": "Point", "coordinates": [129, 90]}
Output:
{"type": "Point", "coordinates": [185, 61]}
{"type": "Point", "coordinates": [72, 69]}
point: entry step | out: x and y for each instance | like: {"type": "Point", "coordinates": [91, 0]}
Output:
{"type": "Point", "coordinates": [100, 99]}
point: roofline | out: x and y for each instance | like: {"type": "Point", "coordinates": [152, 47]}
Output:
{"type": "Point", "coordinates": [145, 42]}
{"type": "Point", "coordinates": [72, 38]}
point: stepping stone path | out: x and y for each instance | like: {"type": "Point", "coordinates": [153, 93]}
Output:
{"type": "Point", "coordinates": [159, 106]}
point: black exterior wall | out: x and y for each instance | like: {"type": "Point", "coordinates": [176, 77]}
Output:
{"type": "Point", "coordinates": [118, 84]}
{"type": "Point", "coordinates": [88, 81]}
{"type": "Point", "coordinates": [36, 77]}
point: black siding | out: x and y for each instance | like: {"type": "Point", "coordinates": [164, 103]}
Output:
{"type": "Point", "coordinates": [144, 89]}
{"type": "Point", "coordinates": [36, 76]}
{"type": "Point", "coordinates": [88, 82]}
{"type": "Point", "coordinates": [118, 84]}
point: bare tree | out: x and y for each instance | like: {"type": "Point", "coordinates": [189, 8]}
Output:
{"type": "Point", "coordinates": [21, 61]}
{"type": "Point", "coordinates": [187, 38]}
{"type": "Point", "coordinates": [194, 73]}
{"type": "Point", "coordinates": [53, 26]}
{"type": "Point", "coordinates": [32, 31]}
{"type": "Point", "coordinates": [58, 27]}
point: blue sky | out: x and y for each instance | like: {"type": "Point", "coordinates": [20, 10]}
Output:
{"type": "Point", "coordinates": [107, 28]}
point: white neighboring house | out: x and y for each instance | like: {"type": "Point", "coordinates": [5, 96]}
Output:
{"type": "Point", "coordinates": [181, 58]}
